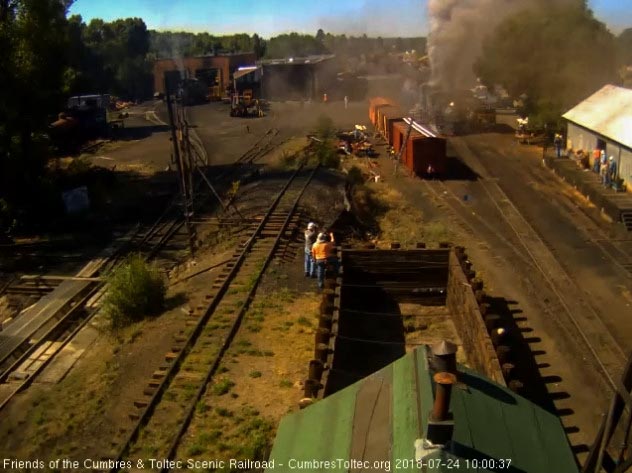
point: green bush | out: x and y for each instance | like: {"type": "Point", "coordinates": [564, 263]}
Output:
{"type": "Point", "coordinates": [79, 166]}
{"type": "Point", "coordinates": [135, 290]}
{"type": "Point", "coordinates": [325, 127]}
{"type": "Point", "coordinates": [327, 155]}
{"type": "Point", "coordinates": [222, 386]}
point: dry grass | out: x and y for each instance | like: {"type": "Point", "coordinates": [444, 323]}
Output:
{"type": "Point", "coordinates": [54, 419]}
{"type": "Point", "coordinates": [267, 367]}
{"type": "Point", "coordinates": [282, 157]}
{"type": "Point", "coordinates": [380, 205]}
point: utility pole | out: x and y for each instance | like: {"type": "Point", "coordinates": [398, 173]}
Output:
{"type": "Point", "coordinates": [177, 137]}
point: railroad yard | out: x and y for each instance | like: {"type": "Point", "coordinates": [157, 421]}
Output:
{"type": "Point", "coordinates": [225, 333]}
{"type": "Point", "coordinates": [321, 253]}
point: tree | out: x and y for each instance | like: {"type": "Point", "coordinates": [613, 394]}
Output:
{"type": "Point", "coordinates": [571, 56]}
{"type": "Point", "coordinates": [33, 45]}
{"type": "Point", "coordinates": [293, 45]}
{"type": "Point", "coordinates": [320, 36]}
{"type": "Point", "coordinates": [258, 46]}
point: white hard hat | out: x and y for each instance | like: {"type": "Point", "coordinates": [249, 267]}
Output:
{"type": "Point", "coordinates": [611, 158]}
{"type": "Point", "coordinates": [322, 237]}
{"type": "Point", "coordinates": [311, 225]}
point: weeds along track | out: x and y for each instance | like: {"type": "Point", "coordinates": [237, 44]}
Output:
{"type": "Point", "coordinates": [161, 417]}
{"type": "Point", "coordinates": [572, 308]}
{"type": "Point", "coordinates": [33, 340]}
{"type": "Point", "coordinates": [36, 342]}
{"type": "Point", "coordinates": [36, 337]}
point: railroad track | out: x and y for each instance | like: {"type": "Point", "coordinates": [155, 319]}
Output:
{"type": "Point", "coordinates": [26, 353]}
{"type": "Point", "coordinates": [595, 234]}
{"type": "Point", "coordinates": [572, 302]}
{"type": "Point", "coordinates": [21, 362]}
{"type": "Point", "coordinates": [170, 397]}
{"type": "Point", "coordinates": [263, 146]}
{"type": "Point", "coordinates": [21, 368]}
{"type": "Point", "coordinates": [172, 221]}
{"type": "Point", "coordinates": [35, 338]}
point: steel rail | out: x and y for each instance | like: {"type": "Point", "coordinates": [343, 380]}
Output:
{"type": "Point", "coordinates": [249, 298]}
{"type": "Point", "coordinates": [191, 340]}
{"type": "Point", "coordinates": [528, 257]}
{"type": "Point", "coordinates": [58, 329]}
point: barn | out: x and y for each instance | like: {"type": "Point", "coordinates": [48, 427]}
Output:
{"type": "Point", "coordinates": [604, 121]}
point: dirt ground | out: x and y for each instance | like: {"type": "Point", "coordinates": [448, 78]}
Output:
{"type": "Point", "coordinates": [261, 376]}
{"type": "Point", "coordinates": [95, 398]}
{"type": "Point", "coordinates": [461, 211]}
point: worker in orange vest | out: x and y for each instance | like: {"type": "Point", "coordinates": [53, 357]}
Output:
{"type": "Point", "coordinates": [322, 252]}
{"type": "Point", "coordinates": [325, 98]}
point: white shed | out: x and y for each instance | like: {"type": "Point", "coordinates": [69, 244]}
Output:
{"type": "Point", "coordinates": [604, 121]}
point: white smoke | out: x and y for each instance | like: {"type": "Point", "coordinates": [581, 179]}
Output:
{"type": "Point", "coordinates": [457, 31]}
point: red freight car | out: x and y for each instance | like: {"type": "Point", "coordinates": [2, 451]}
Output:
{"type": "Point", "coordinates": [374, 104]}
{"type": "Point", "coordinates": [390, 116]}
{"type": "Point", "coordinates": [399, 132]}
{"type": "Point", "coordinates": [379, 116]}
{"type": "Point", "coordinates": [423, 151]}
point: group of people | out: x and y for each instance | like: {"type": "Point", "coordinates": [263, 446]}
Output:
{"type": "Point", "coordinates": [605, 167]}
{"type": "Point", "coordinates": [319, 253]}
{"type": "Point", "coordinates": [326, 100]}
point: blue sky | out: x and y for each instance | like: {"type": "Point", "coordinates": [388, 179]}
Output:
{"type": "Point", "coordinates": [388, 18]}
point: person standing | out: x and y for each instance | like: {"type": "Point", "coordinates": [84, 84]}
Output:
{"type": "Point", "coordinates": [603, 173]}
{"type": "Point", "coordinates": [596, 159]}
{"type": "Point", "coordinates": [321, 251]}
{"type": "Point", "coordinates": [557, 141]}
{"type": "Point", "coordinates": [310, 239]}
{"type": "Point", "coordinates": [346, 102]}
{"type": "Point", "coordinates": [612, 170]}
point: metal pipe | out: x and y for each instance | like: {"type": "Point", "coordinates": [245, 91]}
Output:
{"type": "Point", "coordinates": [443, 392]}
{"type": "Point", "coordinates": [444, 357]}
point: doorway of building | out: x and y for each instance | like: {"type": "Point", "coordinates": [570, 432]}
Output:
{"type": "Point", "coordinates": [601, 144]}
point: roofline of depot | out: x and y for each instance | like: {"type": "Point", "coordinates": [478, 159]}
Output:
{"type": "Point", "coordinates": [598, 134]}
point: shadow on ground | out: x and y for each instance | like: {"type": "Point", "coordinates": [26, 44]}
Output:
{"type": "Point", "coordinates": [136, 132]}
{"type": "Point", "coordinates": [523, 344]}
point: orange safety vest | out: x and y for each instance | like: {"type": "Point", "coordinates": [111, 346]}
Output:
{"type": "Point", "coordinates": [322, 251]}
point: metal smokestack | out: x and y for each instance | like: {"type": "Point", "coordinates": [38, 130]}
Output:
{"type": "Point", "coordinates": [443, 393]}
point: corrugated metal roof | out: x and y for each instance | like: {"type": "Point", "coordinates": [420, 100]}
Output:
{"type": "Point", "coordinates": [314, 59]}
{"type": "Point", "coordinates": [607, 112]}
{"type": "Point", "coordinates": [379, 419]}
{"type": "Point", "coordinates": [243, 71]}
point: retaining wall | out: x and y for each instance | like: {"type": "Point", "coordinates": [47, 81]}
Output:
{"type": "Point", "coordinates": [464, 309]}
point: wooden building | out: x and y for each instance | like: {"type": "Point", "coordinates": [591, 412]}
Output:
{"type": "Point", "coordinates": [213, 71]}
